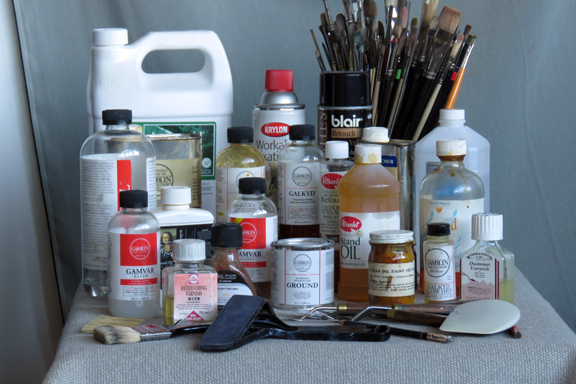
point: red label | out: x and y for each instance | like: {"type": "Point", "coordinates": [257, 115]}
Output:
{"type": "Point", "coordinates": [349, 224]}
{"type": "Point", "coordinates": [330, 180]}
{"type": "Point", "coordinates": [138, 250]}
{"type": "Point", "coordinates": [123, 177]}
{"type": "Point", "coordinates": [138, 281]}
{"type": "Point", "coordinates": [454, 76]}
{"type": "Point", "coordinates": [254, 264]}
{"type": "Point", "coordinates": [193, 316]}
{"type": "Point", "coordinates": [253, 232]}
{"type": "Point", "coordinates": [275, 129]}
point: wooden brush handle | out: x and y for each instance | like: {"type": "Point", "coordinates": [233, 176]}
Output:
{"type": "Point", "coordinates": [455, 89]}
{"type": "Point", "coordinates": [415, 317]}
{"type": "Point", "coordinates": [427, 308]}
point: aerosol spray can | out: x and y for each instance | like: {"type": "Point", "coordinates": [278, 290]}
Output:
{"type": "Point", "coordinates": [272, 117]}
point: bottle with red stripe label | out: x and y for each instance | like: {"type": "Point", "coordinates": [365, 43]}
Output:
{"type": "Point", "coordinates": [259, 220]}
{"type": "Point", "coordinates": [134, 261]}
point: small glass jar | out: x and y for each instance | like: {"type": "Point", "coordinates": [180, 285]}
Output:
{"type": "Point", "coordinates": [391, 273]}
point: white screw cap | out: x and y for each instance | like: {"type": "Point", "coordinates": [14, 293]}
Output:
{"type": "Point", "coordinates": [367, 154]}
{"type": "Point", "coordinates": [189, 250]}
{"type": "Point", "coordinates": [336, 149]}
{"type": "Point", "coordinates": [176, 195]}
{"type": "Point", "coordinates": [375, 134]}
{"type": "Point", "coordinates": [456, 147]}
{"type": "Point", "coordinates": [487, 226]}
{"type": "Point", "coordinates": [110, 36]}
{"type": "Point", "coordinates": [452, 116]}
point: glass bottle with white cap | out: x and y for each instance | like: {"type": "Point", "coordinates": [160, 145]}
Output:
{"type": "Point", "coordinates": [487, 269]}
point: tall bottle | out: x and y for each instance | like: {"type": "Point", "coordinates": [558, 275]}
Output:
{"type": "Point", "coordinates": [134, 270]}
{"type": "Point", "coordinates": [451, 194]}
{"type": "Point", "coordinates": [271, 118]}
{"type": "Point", "coordinates": [332, 169]}
{"type": "Point", "coordinates": [259, 220]}
{"type": "Point", "coordinates": [369, 201]}
{"type": "Point", "coordinates": [299, 184]}
{"type": "Point", "coordinates": [238, 160]}
{"type": "Point", "coordinates": [487, 269]}
{"type": "Point", "coordinates": [111, 161]}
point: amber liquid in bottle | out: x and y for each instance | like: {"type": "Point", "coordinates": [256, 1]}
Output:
{"type": "Point", "coordinates": [291, 231]}
{"type": "Point", "coordinates": [391, 254]}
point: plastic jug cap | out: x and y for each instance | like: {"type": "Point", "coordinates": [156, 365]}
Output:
{"type": "Point", "coordinates": [279, 80]}
{"type": "Point", "coordinates": [176, 195]}
{"type": "Point", "coordinates": [110, 36]}
{"type": "Point", "coordinates": [336, 149]}
{"type": "Point", "coordinates": [368, 154]}
{"type": "Point", "coordinates": [452, 115]}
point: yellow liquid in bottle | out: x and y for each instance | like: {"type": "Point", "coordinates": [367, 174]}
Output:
{"type": "Point", "coordinates": [507, 290]}
{"type": "Point", "coordinates": [168, 311]}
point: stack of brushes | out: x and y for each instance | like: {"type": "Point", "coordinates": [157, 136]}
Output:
{"type": "Point", "coordinates": [415, 70]}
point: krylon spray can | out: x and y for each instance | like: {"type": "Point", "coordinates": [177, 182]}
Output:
{"type": "Point", "coordinates": [345, 107]}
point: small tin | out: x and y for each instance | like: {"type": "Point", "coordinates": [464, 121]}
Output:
{"type": "Point", "coordinates": [302, 273]}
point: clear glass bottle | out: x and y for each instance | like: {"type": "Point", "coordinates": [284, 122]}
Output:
{"type": "Point", "coordinates": [487, 269]}
{"type": "Point", "coordinates": [232, 276]}
{"type": "Point", "coordinates": [189, 278]}
{"type": "Point", "coordinates": [332, 169]}
{"type": "Point", "coordinates": [451, 194]}
{"type": "Point", "coordinates": [369, 201]}
{"type": "Point", "coordinates": [111, 161]}
{"type": "Point", "coordinates": [259, 220]}
{"type": "Point", "coordinates": [134, 267]}
{"type": "Point", "coordinates": [299, 183]}
{"type": "Point", "coordinates": [238, 160]}
{"type": "Point", "coordinates": [439, 275]}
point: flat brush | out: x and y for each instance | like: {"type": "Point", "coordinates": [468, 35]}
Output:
{"type": "Point", "coordinates": [114, 334]}
{"type": "Point", "coordinates": [438, 337]}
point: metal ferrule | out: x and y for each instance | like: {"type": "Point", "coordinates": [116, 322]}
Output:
{"type": "Point", "coordinates": [153, 332]}
{"type": "Point", "coordinates": [439, 338]}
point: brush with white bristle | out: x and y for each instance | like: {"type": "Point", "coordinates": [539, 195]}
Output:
{"type": "Point", "coordinates": [114, 334]}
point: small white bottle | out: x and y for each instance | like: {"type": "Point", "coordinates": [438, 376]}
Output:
{"type": "Point", "coordinates": [134, 262]}
{"type": "Point", "coordinates": [439, 276]}
{"type": "Point", "coordinates": [259, 220]}
{"type": "Point", "coordinates": [487, 269]}
{"type": "Point", "coordinates": [191, 288]}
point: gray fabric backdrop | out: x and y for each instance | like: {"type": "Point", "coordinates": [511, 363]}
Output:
{"type": "Point", "coordinates": [517, 92]}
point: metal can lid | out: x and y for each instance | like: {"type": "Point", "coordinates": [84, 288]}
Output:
{"type": "Point", "coordinates": [397, 236]}
{"type": "Point", "coordinates": [303, 243]}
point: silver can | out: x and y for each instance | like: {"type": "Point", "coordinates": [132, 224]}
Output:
{"type": "Point", "coordinates": [302, 273]}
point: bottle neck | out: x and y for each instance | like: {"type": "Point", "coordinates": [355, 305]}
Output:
{"type": "Point", "coordinates": [301, 142]}
{"type": "Point", "coordinates": [438, 239]}
{"type": "Point", "coordinates": [489, 243]}
{"type": "Point", "coordinates": [332, 160]}
{"type": "Point", "coordinates": [133, 210]}
{"type": "Point", "coordinates": [118, 127]}
{"type": "Point", "coordinates": [175, 207]}
{"type": "Point", "coordinates": [452, 161]}
{"type": "Point", "coordinates": [240, 144]}
{"type": "Point", "coordinates": [251, 196]}
{"type": "Point", "coordinates": [189, 263]}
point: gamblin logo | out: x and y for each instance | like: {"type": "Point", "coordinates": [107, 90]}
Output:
{"type": "Point", "coordinates": [302, 263]}
{"type": "Point", "coordinates": [342, 122]}
{"type": "Point", "coordinates": [249, 232]}
{"type": "Point", "coordinates": [140, 249]}
{"type": "Point", "coordinates": [302, 176]}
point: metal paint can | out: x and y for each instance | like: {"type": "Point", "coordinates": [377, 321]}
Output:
{"type": "Point", "coordinates": [302, 273]}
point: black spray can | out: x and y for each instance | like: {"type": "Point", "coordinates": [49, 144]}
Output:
{"type": "Point", "coordinates": [345, 107]}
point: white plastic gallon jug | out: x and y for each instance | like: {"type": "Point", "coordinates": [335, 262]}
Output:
{"type": "Point", "coordinates": [199, 102]}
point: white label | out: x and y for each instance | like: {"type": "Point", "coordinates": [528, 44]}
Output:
{"type": "Point", "coordinates": [439, 273]}
{"type": "Point", "coordinates": [298, 187]}
{"type": "Point", "coordinates": [391, 279]}
{"type": "Point", "coordinates": [227, 180]}
{"type": "Point", "coordinates": [330, 203]}
{"type": "Point", "coordinates": [480, 277]}
{"type": "Point", "coordinates": [302, 277]}
{"type": "Point", "coordinates": [355, 231]}
{"type": "Point", "coordinates": [458, 213]}
{"type": "Point", "coordinates": [151, 182]}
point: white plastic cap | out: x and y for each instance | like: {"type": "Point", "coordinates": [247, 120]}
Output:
{"type": "Point", "coordinates": [336, 149]}
{"type": "Point", "coordinates": [455, 147]}
{"type": "Point", "coordinates": [189, 250]}
{"type": "Point", "coordinates": [368, 154]}
{"type": "Point", "coordinates": [487, 226]}
{"type": "Point", "coordinates": [376, 134]}
{"type": "Point", "coordinates": [110, 36]}
{"type": "Point", "coordinates": [176, 195]}
{"type": "Point", "coordinates": [391, 236]}
{"type": "Point", "coordinates": [452, 116]}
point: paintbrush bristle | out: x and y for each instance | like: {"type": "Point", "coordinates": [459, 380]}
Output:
{"type": "Point", "coordinates": [340, 23]}
{"type": "Point", "coordinates": [404, 17]}
{"type": "Point", "coordinates": [370, 8]}
{"type": "Point", "coordinates": [449, 19]}
{"type": "Point", "coordinates": [433, 24]}
{"type": "Point", "coordinates": [113, 334]}
{"type": "Point", "coordinates": [467, 30]}
{"type": "Point", "coordinates": [323, 20]}
{"type": "Point", "coordinates": [429, 10]}
{"type": "Point", "coordinates": [456, 47]}
{"type": "Point", "coordinates": [414, 22]}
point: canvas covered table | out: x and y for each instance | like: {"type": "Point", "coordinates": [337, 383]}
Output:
{"type": "Point", "coordinates": [545, 354]}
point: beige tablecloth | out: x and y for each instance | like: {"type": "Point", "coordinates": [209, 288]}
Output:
{"type": "Point", "coordinates": [545, 354]}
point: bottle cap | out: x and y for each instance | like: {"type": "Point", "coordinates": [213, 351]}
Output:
{"type": "Point", "coordinates": [176, 195]}
{"type": "Point", "coordinates": [455, 147]}
{"type": "Point", "coordinates": [134, 199]}
{"type": "Point", "coordinates": [226, 235]}
{"type": "Point", "coordinates": [279, 80]}
{"type": "Point", "coordinates": [376, 134]}
{"type": "Point", "coordinates": [345, 89]}
{"type": "Point", "coordinates": [116, 116]}
{"type": "Point", "coordinates": [367, 154]}
{"type": "Point", "coordinates": [452, 116]}
{"type": "Point", "coordinates": [438, 229]}
{"type": "Point", "coordinates": [337, 149]}
{"type": "Point", "coordinates": [110, 36]}
{"type": "Point", "coordinates": [398, 236]}
{"type": "Point", "coordinates": [487, 226]}
{"type": "Point", "coordinates": [238, 135]}
{"type": "Point", "coordinates": [252, 185]}
{"type": "Point", "coordinates": [302, 132]}
{"type": "Point", "coordinates": [189, 250]}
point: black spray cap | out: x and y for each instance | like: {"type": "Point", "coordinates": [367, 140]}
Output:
{"type": "Point", "coordinates": [252, 185]}
{"type": "Point", "coordinates": [238, 135]}
{"type": "Point", "coordinates": [226, 235]}
{"type": "Point", "coordinates": [438, 229]}
{"type": "Point", "coordinates": [134, 199]}
{"type": "Point", "coordinates": [302, 132]}
{"type": "Point", "coordinates": [345, 89]}
{"type": "Point", "coordinates": [116, 116]}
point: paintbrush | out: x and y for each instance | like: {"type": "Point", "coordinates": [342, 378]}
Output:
{"type": "Point", "coordinates": [438, 337]}
{"type": "Point", "coordinates": [114, 334]}
{"type": "Point", "coordinates": [318, 55]}
{"type": "Point", "coordinates": [456, 87]}
{"type": "Point", "coordinates": [370, 13]}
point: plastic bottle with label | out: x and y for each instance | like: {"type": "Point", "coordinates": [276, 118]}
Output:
{"type": "Point", "coordinates": [111, 161]}
{"type": "Point", "coordinates": [239, 160]}
{"type": "Point", "coordinates": [259, 220]}
{"type": "Point", "coordinates": [451, 194]}
{"type": "Point", "coordinates": [134, 270]}
{"type": "Point", "coordinates": [439, 273]}
{"type": "Point", "coordinates": [299, 184]}
{"type": "Point", "coordinates": [233, 279]}
{"type": "Point", "coordinates": [272, 117]}
{"type": "Point", "coordinates": [369, 201]}
{"type": "Point", "coordinates": [189, 279]}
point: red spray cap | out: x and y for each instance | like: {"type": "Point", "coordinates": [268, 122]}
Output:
{"type": "Point", "coordinates": [279, 80]}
